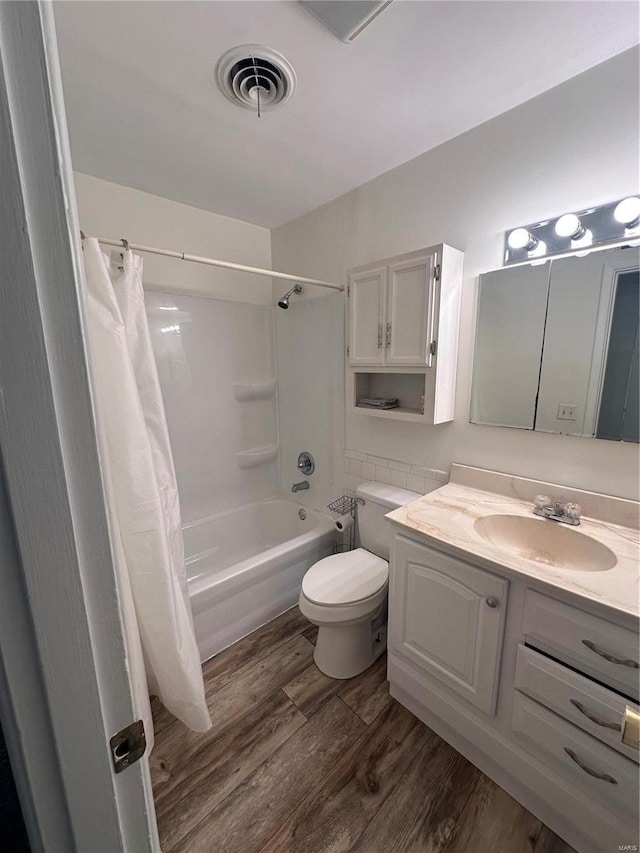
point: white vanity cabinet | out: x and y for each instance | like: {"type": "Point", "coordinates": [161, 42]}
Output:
{"type": "Point", "coordinates": [402, 332]}
{"type": "Point", "coordinates": [463, 650]}
{"type": "Point", "coordinates": [530, 687]}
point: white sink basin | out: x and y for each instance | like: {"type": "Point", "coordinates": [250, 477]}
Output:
{"type": "Point", "coordinates": [545, 541]}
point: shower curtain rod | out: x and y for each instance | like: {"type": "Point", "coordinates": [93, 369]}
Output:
{"type": "Point", "coordinates": [214, 262]}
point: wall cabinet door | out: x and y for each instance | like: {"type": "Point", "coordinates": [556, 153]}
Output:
{"type": "Point", "coordinates": [410, 311]}
{"type": "Point", "coordinates": [366, 316]}
{"type": "Point", "coordinates": [447, 618]}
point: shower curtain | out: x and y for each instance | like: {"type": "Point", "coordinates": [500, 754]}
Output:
{"type": "Point", "coordinates": [141, 485]}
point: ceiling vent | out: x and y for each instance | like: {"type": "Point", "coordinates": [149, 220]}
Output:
{"type": "Point", "coordinates": [256, 77]}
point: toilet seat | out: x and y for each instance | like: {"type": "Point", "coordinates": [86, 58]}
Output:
{"type": "Point", "coordinates": [345, 579]}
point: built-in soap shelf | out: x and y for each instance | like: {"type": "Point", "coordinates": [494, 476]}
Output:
{"type": "Point", "coordinates": [244, 391]}
{"type": "Point", "coordinates": [258, 456]}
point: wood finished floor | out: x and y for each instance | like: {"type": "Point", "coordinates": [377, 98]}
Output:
{"type": "Point", "coordinates": [299, 762]}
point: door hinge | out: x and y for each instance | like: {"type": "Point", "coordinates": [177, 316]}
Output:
{"type": "Point", "coordinates": [436, 272]}
{"type": "Point", "coordinates": [127, 746]}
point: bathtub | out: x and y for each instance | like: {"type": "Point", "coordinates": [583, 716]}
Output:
{"type": "Point", "coordinates": [245, 566]}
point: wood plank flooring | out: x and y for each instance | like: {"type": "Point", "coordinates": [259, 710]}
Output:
{"type": "Point", "coordinates": [303, 763]}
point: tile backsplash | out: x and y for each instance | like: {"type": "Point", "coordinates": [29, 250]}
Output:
{"type": "Point", "coordinates": [361, 467]}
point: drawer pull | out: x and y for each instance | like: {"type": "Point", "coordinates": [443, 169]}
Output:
{"type": "Point", "coordinates": [604, 776]}
{"type": "Point", "coordinates": [604, 723]}
{"type": "Point", "coordinates": [620, 661]}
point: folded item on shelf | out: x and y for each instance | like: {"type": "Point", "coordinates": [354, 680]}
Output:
{"type": "Point", "coordinates": [379, 402]}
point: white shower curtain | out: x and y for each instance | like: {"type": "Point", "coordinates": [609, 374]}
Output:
{"type": "Point", "coordinates": [141, 484]}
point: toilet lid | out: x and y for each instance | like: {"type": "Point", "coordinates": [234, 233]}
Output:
{"type": "Point", "coordinates": [345, 578]}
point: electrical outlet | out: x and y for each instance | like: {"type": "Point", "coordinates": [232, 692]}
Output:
{"type": "Point", "coordinates": [566, 412]}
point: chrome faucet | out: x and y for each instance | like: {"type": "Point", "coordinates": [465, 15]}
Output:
{"type": "Point", "coordinates": [300, 487]}
{"type": "Point", "coordinates": [565, 513]}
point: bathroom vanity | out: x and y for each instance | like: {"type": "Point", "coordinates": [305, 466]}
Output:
{"type": "Point", "coordinates": [516, 639]}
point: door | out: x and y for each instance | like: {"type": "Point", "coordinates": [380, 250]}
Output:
{"type": "Point", "coordinates": [447, 619]}
{"type": "Point", "coordinates": [66, 687]}
{"type": "Point", "coordinates": [366, 297]}
{"type": "Point", "coordinates": [410, 311]}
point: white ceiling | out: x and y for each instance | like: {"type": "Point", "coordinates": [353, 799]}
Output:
{"type": "Point", "coordinates": [144, 109]}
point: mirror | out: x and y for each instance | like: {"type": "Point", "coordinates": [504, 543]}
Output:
{"type": "Point", "coordinates": [557, 346]}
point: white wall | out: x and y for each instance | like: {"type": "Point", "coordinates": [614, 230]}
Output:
{"type": "Point", "coordinates": [112, 210]}
{"type": "Point", "coordinates": [574, 146]}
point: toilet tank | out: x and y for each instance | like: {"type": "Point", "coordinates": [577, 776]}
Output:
{"type": "Point", "coordinates": [373, 527]}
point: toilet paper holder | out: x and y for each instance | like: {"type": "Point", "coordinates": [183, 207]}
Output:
{"type": "Point", "coordinates": [345, 508]}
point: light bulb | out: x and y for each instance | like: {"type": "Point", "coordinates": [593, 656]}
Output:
{"type": "Point", "coordinates": [520, 238]}
{"type": "Point", "coordinates": [570, 226]}
{"type": "Point", "coordinates": [627, 212]}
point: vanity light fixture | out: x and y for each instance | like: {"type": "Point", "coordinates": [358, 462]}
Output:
{"type": "Point", "coordinates": [607, 225]}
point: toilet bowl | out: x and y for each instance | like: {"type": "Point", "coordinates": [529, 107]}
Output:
{"type": "Point", "coordinates": [345, 595]}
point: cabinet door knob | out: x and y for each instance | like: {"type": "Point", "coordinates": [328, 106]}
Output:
{"type": "Point", "coordinates": [491, 601]}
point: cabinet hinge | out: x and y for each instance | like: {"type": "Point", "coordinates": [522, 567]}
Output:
{"type": "Point", "coordinates": [347, 350]}
{"type": "Point", "coordinates": [436, 272]}
{"type": "Point", "coordinates": [433, 346]}
{"type": "Point", "coordinates": [127, 746]}
{"type": "Point", "coordinates": [348, 290]}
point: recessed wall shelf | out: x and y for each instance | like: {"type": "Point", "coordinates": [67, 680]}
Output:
{"type": "Point", "coordinates": [408, 388]}
{"type": "Point", "coordinates": [244, 391]}
{"type": "Point", "coordinates": [259, 456]}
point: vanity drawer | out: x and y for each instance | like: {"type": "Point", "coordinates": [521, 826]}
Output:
{"type": "Point", "coordinates": [603, 650]}
{"type": "Point", "coordinates": [588, 705]}
{"type": "Point", "coordinates": [589, 766]}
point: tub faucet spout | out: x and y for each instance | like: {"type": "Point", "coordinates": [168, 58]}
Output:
{"type": "Point", "coordinates": [300, 487]}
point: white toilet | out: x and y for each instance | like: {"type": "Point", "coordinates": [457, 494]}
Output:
{"type": "Point", "coordinates": [345, 595]}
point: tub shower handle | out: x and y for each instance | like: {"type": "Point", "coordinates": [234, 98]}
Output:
{"type": "Point", "coordinates": [306, 463]}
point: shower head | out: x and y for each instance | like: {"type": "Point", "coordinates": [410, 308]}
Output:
{"type": "Point", "coordinates": [284, 302]}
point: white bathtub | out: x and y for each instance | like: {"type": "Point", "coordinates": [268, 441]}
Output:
{"type": "Point", "coordinates": [245, 567]}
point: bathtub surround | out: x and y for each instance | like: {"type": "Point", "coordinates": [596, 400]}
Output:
{"type": "Point", "coordinates": [309, 342]}
{"type": "Point", "coordinates": [213, 337]}
{"type": "Point", "coordinates": [466, 193]}
{"type": "Point", "coordinates": [217, 372]}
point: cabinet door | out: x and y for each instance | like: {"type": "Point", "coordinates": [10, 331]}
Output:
{"type": "Point", "coordinates": [366, 316]}
{"type": "Point", "coordinates": [447, 618]}
{"type": "Point", "coordinates": [410, 311]}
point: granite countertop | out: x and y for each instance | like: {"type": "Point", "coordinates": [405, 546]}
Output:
{"type": "Point", "coordinates": [445, 518]}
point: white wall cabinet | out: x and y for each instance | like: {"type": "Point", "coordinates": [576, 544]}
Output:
{"type": "Point", "coordinates": [463, 650]}
{"type": "Point", "coordinates": [403, 312]}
